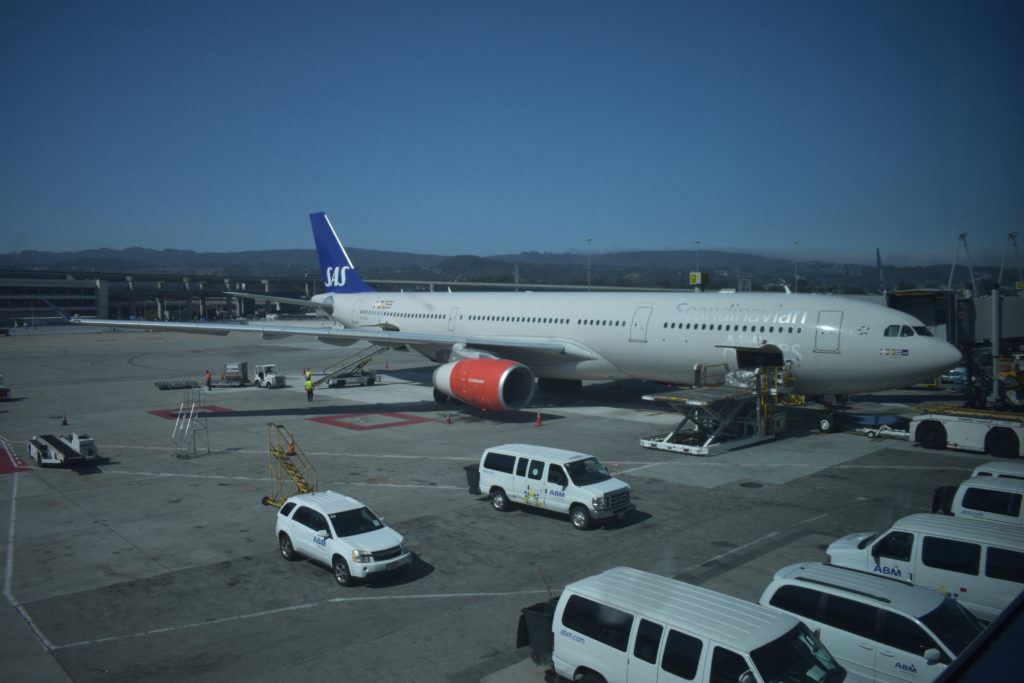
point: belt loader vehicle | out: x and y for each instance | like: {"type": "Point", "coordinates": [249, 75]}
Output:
{"type": "Point", "coordinates": [70, 449]}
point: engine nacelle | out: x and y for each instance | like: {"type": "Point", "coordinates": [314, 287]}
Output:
{"type": "Point", "coordinates": [486, 383]}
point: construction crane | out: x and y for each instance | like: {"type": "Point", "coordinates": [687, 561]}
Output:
{"type": "Point", "coordinates": [962, 239]}
{"type": "Point", "coordinates": [1011, 239]}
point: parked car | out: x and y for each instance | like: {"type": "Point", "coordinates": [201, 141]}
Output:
{"type": "Point", "coordinates": [341, 533]}
{"type": "Point", "coordinates": [877, 628]}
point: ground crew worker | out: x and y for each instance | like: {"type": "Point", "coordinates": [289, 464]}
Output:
{"type": "Point", "coordinates": [209, 381]}
{"type": "Point", "coordinates": [307, 373]}
{"type": "Point", "coordinates": [309, 390]}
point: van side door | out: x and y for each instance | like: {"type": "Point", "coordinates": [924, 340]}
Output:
{"type": "Point", "coordinates": [848, 632]}
{"type": "Point", "coordinates": [646, 644]}
{"type": "Point", "coordinates": [530, 481]}
{"type": "Point", "coordinates": [901, 647]}
{"type": "Point", "coordinates": [681, 659]}
{"type": "Point", "coordinates": [952, 567]}
{"type": "Point", "coordinates": [306, 538]}
{"type": "Point", "coordinates": [556, 488]}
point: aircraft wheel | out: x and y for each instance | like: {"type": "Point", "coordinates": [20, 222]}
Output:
{"type": "Point", "coordinates": [826, 424]}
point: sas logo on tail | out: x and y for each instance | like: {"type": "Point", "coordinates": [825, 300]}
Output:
{"type": "Point", "coordinates": [335, 276]}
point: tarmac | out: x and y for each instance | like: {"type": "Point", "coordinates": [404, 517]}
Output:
{"type": "Point", "coordinates": [159, 563]}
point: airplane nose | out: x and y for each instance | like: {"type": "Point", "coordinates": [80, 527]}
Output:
{"type": "Point", "coordinates": [945, 356]}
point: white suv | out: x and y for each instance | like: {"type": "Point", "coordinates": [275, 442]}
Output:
{"type": "Point", "coordinates": [341, 533]}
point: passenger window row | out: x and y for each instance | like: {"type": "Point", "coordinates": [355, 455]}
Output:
{"type": "Point", "coordinates": [854, 617]}
{"type": "Point", "coordinates": [681, 654]}
{"type": "Point", "coordinates": [733, 328]}
{"type": "Point", "coordinates": [957, 556]}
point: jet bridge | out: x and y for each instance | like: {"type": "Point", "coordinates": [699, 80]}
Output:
{"type": "Point", "coordinates": [743, 410]}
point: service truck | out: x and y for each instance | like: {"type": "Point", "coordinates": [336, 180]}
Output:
{"type": "Point", "coordinates": [995, 432]}
{"type": "Point", "coordinates": [267, 376]}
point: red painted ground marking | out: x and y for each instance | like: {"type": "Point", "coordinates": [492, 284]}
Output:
{"type": "Point", "coordinates": [172, 413]}
{"type": "Point", "coordinates": [362, 422]}
{"type": "Point", "coordinates": [10, 463]}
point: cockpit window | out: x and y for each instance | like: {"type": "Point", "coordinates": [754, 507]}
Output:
{"type": "Point", "coordinates": [905, 331]}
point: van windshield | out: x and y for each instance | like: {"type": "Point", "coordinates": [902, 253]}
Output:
{"type": "Point", "coordinates": [954, 625]}
{"type": "Point", "coordinates": [353, 522]}
{"type": "Point", "coordinates": [589, 471]}
{"type": "Point", "coordinates": [797, 657]}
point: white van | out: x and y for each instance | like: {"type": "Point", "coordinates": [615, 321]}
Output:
{"type": "Point", "coordinates": [994, 499]}
{"type": "Point", "coordinates": [564, 481]}
{"type": "Point", "coordinates": [628, 625]}
{"type": "Point", "coordinates": [1010, 469]}
{"type": "Point", "coordinates": [979, 563]}
{"type": "Point", "coordinates": [878, 629]}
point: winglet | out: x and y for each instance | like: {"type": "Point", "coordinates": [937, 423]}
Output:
{"type": "Point", "coordinates": [56, 308]}
{"type": "Point", "coordinates": [340, 276]}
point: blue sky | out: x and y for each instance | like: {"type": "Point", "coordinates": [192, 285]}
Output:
{"type": "Point", "coordinates": [485, 127]}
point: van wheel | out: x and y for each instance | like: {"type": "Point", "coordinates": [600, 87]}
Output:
{"type": "Point", "coordinates": [580, 517]}
{"type": "Point", "coordinates": [499, 500]}
{"type": "Point", "coordinates": [1002, 443]}
{"type": "Point", "coordinates": [826, 424]}
{"type": "Point", "coordinates": [341, 573]}
{"type": "Point", "coordinates": [931, 435]}
{"type": "Point", "coordinates": [590, 677]}
{"type": "Point", "coordinates": [287, 550]}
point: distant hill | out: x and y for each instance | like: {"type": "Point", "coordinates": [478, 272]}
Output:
{"type": "Point", "coordinates": [669, 269]}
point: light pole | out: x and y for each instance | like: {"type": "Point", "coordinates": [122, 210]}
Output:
{"type": "Point", "coordinates": [796, 243]}
{"type": "Point", "coordinates": [588, 264]}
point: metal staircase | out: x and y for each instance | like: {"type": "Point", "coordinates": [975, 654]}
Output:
{"type": "Point", "coordinates": [350, 364]}
{"type": "Point", "coordinates": [291, 472]}
{"type": "Point", "coordinates": [190, 429]}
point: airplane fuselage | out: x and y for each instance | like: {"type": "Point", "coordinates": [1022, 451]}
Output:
{"type": "Point", "coordinates": [835, 345]}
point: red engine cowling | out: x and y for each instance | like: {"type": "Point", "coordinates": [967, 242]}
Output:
{"type": "Point", "coordinates": [486, 383]}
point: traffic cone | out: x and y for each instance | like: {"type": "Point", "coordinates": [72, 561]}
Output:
{"type": "Point", "coordinates": [64, 421]}
{"type": "Point", "coordinates": [291, 448]}
{"type": "Point", "coordinates": [447, 418]}
{"type": "Point", "coordinates": [537, 423]}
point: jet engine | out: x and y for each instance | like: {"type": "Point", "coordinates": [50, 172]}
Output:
{"type": "Point", "coordinates": [486, 383]}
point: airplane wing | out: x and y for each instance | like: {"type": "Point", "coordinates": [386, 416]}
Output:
{"type": "Point", "coordinates": [305, 303]}
{"type": "Point", "coordinates": [513, 349]}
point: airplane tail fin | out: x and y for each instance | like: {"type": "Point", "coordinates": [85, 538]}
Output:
{"type": "Point", "coordinates": [340, 276]}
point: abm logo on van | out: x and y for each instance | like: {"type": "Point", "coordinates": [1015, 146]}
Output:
{"type": "Point", "coordinates": [893, 572]}
{"type": "Point", "coordinates": [906, 668]}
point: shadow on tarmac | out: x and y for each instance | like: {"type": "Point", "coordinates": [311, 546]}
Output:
{"type": "Point", "coordinates": [632, 519]}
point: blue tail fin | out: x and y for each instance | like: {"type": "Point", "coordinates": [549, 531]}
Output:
{"type": "Point", "coordinates": [340, 276]}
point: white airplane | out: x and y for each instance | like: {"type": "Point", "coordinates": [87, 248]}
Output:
{"type": "Point", "coordinates": [492, 345]}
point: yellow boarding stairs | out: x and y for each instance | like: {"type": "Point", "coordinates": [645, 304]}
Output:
{"type": "Point", "coordinates": [291, 472]}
